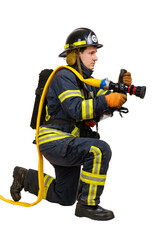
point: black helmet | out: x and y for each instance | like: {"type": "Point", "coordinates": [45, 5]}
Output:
{"type": "Point", "coordinates": [80, 37]}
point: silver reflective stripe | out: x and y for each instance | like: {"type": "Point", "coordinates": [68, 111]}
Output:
{"type": "Point", "coordinates": [50, 130]}
{"type": "Point", "coordinates": [47, 180]}
{"type": "Point", "coordinates": [69, 93]}
{"type": "Point", "coordinates": [49, 138]}
{"type": "Point", "coordinates": [76, 132]}
{"type": "Point", "coordinates": [97, 157]}
{"type": "Point", "coordinates": [93, 192]}
{"type": "Point", "coordinates": [87, 109]}
{"type": "Point", "coordinates": [101, 92]}
{"type": "Point", "coordinates": [96, 174]}
{"type": "Point", "coordinates": [50, 134]}
{"type": "Point", "coordinates": [93, 180]}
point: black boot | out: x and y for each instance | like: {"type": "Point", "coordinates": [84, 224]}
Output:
{"type": "Point", "coordinates": [19, 175]}
{"type": "Point", "coordinates": [93, 212]}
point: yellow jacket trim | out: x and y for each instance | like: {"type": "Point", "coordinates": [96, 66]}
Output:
{"type": "Point", "coordinates": [51, 138]}
{"type": "Point", "coordinates": [48, 134]}
{"type": "Point", "coordinates": [70, 93]}
{"type": "Point", "coordinates": [47, 117]}
{"type": "Point", "coordinates": [87, 109]}
{"type": "Point", "coordinates": [101, 92]}
{"type": "Point", "coordinates": [76, 132]}
{"type": "Point", "coordinates": [45, 130]}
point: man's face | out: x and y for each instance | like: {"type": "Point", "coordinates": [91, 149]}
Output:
{"type": "Point", "coordinates": [89, 57]}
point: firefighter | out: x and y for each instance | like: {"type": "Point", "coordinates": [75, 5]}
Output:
{"type": "Point", "coordinates": [66, 139]}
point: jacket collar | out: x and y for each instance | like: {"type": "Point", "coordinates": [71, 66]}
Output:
{"type": "Point", "coordinates": [86, 72]}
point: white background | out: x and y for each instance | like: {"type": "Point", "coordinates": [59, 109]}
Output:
{"type": "Point", "coordinates": [32, 34]}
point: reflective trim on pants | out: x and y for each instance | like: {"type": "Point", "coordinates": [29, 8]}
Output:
{"type": "Point", "coordinates": [47, 182]}
{"type": "Point", "coordinates": [94, 179]}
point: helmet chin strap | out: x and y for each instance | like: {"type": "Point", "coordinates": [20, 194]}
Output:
{"type": "Point", "coordinates": [78, 61]}
{"type": "Point", "coordinates": [80, 71]}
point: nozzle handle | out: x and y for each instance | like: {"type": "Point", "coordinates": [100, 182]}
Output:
{"type": "Point", "coordinates": [120, 80]}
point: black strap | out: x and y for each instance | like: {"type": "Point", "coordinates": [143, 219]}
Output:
{"type": "Point", "coordinates": [122, 110]}
{"type": "Point", "coordinates": [60, 121]}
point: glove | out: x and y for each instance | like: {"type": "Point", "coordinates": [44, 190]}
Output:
{"type": "Point", "coordinates": [127, 80]}
{"type": "Point", "coordinates": [115, 99]}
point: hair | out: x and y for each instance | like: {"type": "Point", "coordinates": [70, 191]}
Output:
{"type": "Point", "coordinates": [83, 49]}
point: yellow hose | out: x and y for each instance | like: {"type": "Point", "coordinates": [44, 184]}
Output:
{"type": "Point", "coordinates": [91, 81]}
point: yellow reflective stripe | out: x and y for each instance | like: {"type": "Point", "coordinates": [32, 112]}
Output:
{"type": "Point", "coordinates": [95, 170]}
{"type": "Point", "coordinates": [97, 159]}
{"type": "Point", "coordinates": [87, 109]}
{"type": "Point", "coordinates": [101, 92]}
{"type": "Point", "coordinates": [47, 117]}
{"type": "Point", "coordinates": [97, 177]}
{"type": "Point", "coordinates": [66, 46]}
{"type": "Point", "coordinates": [50, 138]}
{"type": "Point", "coordinates": [44, 130]}
{"type": "Point", "coordinates": [79, 43]}
{"type": "Point", "coordinates": [92, 194]}
{"type": "Point", "coordinates": [47, 182]}
{"type": "Point", "coordinates": [76, 132]}
{"type": "Point", "coordinates": [91, 178]}
{"type": "Point", "coordinates": [48, 134]}
{"type": "Point", "coordinates": [76, 44]}
{"type": "Point", "coordinates": [70, 93]}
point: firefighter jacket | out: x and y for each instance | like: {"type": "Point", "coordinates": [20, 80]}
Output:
{"type": "Point", "coordinates": [71, 102]}
{"type": "Point", "coordinates": [67, 143]}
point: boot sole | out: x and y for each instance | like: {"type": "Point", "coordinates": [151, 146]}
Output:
{"type": "Point", "coordinates": [80, 213]}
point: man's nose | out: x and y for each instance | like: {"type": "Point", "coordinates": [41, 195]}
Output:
{"type": "Point", "coordinates": [95, 57]}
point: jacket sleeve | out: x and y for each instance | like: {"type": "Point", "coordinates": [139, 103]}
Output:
{"type": "Point", "coordinates": [64, 85]}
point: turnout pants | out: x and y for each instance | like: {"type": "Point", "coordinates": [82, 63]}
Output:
{"type": "Point", "coordinates": [67, 154]}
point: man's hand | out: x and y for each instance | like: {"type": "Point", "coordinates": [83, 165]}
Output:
{"type": "Point", "coordinates": [116, 99]}
{"type": "Point", "coordinates": [127, 80]}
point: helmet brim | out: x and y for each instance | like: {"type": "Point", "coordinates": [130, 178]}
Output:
{"type": "Point", "coordinates": [64, 53]}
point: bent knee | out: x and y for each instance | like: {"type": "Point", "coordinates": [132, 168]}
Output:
{"type": "Point", "coordinates": [67, 202]}
{"type": "Point", "coordinates": [106, 150]}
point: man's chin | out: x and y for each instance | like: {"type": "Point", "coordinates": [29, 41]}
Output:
{"type": "Point", "coordinates": [92, 67]}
